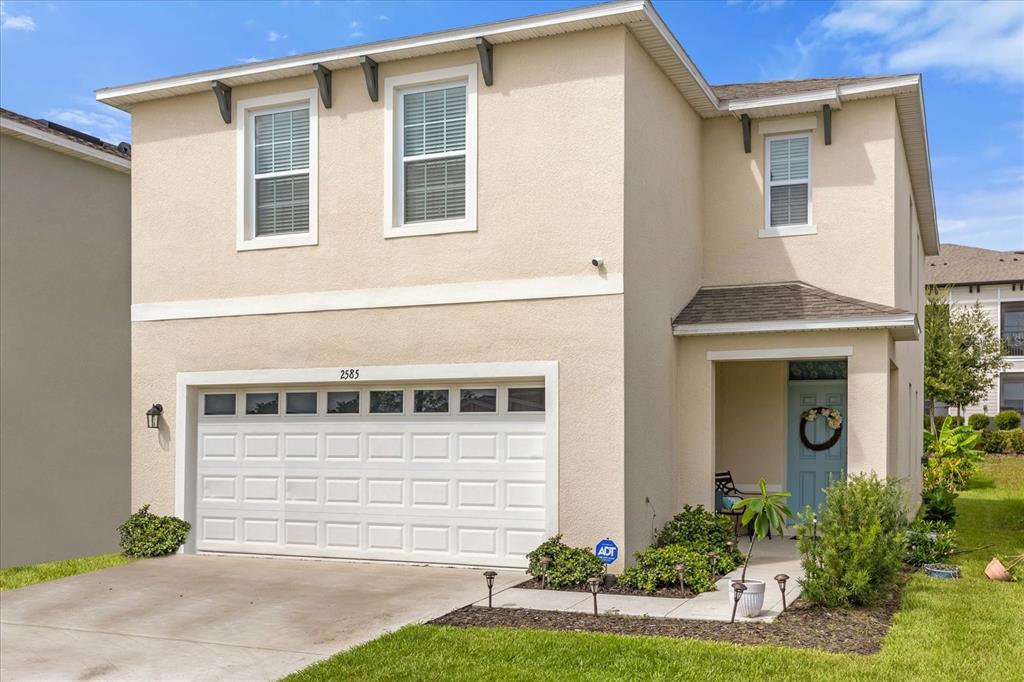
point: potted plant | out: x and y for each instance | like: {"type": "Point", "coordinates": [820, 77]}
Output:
{"type": "Point", "coordinates": [764, 512]}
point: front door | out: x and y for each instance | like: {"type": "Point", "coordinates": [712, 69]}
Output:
{"type": "Point", "coordinates": [809, 469]}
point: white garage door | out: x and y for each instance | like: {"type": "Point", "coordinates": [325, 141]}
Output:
{"type": "Point", "coordinates": [448, 474]}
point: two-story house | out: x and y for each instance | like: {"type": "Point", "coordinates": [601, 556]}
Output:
{"type": "Point", "coordinates": [995, 281]}
{"type": "Point", "coordinates": [434, 299]}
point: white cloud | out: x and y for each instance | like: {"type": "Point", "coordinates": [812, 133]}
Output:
{"type": "Point", "coordinates": [15, 22]}
{"type": "Point", "coordinates": [981, 40]}
{"type": "Point", "coordinates": [111, 125]}
{"type": "Point", "coordinates": [759, 5]}
{"type": "Point", "coordinates": [992, 217]}
{"type": "Point", "coordinates": [355, 34]}
{"type": "Point", "coordinates": [248, 60]}
{"type": "Point", "coordinates": [274, 36]}
{"type": "Point", "coordinates": [383, 17]}
{"type": "Point", "coordinates": [355, 23]}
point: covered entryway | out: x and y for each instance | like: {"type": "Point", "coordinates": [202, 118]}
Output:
{"type": "Point", "coordinates": [439, 472]}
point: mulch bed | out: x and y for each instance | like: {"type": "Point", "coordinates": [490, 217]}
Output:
{"type": "Point", "coordinates": [671, 592]}
{"type": "Point", "coordinates": [802, 626]}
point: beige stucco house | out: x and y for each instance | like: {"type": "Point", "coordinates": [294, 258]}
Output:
{"type": "Point", "coordinates": [994, 280]}
{"type": "Point", "coordinates": [436, 298]}
{"type": "Point", "coordinates": [65, 341]}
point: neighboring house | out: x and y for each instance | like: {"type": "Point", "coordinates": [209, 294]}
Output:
{"type": "Point", "coordinates": [436, 298]}
{"type": "Point", "coordinates": [995, 281]}
{"type": "Point", "coordinates": [65, 341]}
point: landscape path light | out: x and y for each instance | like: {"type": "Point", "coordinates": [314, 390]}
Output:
{"type": "Point", "coordinates": [738, 589]}
{"type": "Point", "coordinates": [594, 584]}
{"type": "Point", "coordinates": [714, 565]}
{"type": "Point", "coordinates": [545, 564]}
{"type": "Point", "coordinates": [489, 577]}
{"type": "Point", "coordinates": [781, 579]}
{"type": "Point", "coordinates": [681, 572]}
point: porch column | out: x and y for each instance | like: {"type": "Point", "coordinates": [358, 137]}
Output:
{"type": "Point", "coordinates": [695, 402]}
{"type": "Point", "coordinates": [867, 445]}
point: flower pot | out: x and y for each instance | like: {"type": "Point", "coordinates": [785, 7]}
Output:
{"type": "Point", "coordinates": [997, 571]}
{"type": "Point", "coordinates": [752, 600]}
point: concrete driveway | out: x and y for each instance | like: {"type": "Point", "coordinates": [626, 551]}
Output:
{"type": "Point", "coordinates": [216, 618]}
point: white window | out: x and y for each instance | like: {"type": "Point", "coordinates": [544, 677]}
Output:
{"type": "Point", "coordinates": [277, 146]}
{"type": "Point", "coordinates": [430, 143]}
{"type": "Point", "coordinates": [787, 193]}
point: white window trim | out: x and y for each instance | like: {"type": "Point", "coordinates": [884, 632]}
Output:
{"type": "Point", "coordinates": [393, 195]}
{"type": "Point", "coordinates": [246, 239]}
{"type": "Point", "coordinates": [809, 227]}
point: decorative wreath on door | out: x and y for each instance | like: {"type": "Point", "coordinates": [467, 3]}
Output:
{"type": "Point", "coordinates": [832, 416]}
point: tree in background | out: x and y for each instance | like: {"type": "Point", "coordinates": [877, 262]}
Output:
{"type": "Point", "coordinates": [963, 353]}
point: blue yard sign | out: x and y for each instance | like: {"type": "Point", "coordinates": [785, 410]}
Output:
{"type": "Point", "coordinates": [607, 551]}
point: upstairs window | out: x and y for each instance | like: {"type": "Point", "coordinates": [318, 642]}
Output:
{"type": "Point", "coordinates": [278, 205]}
{"type": "Point", "coordinates": [432, 152]}
{"type": "Point", "coordinates": [787, 182]}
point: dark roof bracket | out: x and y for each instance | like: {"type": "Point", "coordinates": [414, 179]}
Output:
{"type": "Point", "coordinates": [223, 93]}
{"type": "Point", "coordinates": [372, 73]}
{"type": "Point", "coordinates": [486, 51]}
{"type": "Point", "coordinates": [745, 122]}
{"type": "Point", "coordinates": [826, 113]}
{"type": "Point", "coordinates": [323, 83]}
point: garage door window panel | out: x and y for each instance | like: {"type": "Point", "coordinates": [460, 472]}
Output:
{"type": "Point", "coordinates": [261, 403]}
{"type": "Point", "coordinates": [388, 401]}
{"type": "Point", "coordinates": [478, 400]}
{"type": "Point", "coordinates": [219, 404]}
{"type": "Point", "coordinates": [526, 399]}
{"type": "Point", "coordinates": [430, 400]}
{"type": "Point", "coordinates": [301, 402]}
{"type": "Point", "coordinates": [343, 402]}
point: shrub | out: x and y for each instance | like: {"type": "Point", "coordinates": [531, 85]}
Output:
{"type": "Point", "coordinates": [938, 504]}
{"type": "Point", "coordinates": [1008, 419]}
{"type": "Point", "coordinates": [570, 566]}
{"type": "Point", "coordinates": [148, 535]}
{"type": "Point", "coordinates": [655, 567]}
{"type": "Point", "coordinates": [1012, 441]}
{"type": "Point", "coordinates": [954, 458]}
{"type": "Point", "coordinates": [990, 441]}
{"type": "Point", "coordinates": [853, 550]}
{"type": "Point", "coordinates": [978, 422]}
{"type": "Point", "coordinates": [930, 542]}
{"type": "Point", "coordinates": [696, 526]}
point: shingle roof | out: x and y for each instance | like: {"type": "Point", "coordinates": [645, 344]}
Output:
{"type": "Point", "coordinates": [776, 302]}
{"type": "Point", "coordinates": [958, 264]}
{"type": "Point", "coordinates": [123, 150]}
{"type": "Point", "coordinates": [733, 91]}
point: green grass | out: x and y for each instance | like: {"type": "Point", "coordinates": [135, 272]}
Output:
{"type": "Point", "coordinates": [20, 576]}
{"type": "Point", "coordinates": [968, 629]}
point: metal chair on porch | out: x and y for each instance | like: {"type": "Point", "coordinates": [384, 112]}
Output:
{"type": "Point", "coordinates": [725, 487]}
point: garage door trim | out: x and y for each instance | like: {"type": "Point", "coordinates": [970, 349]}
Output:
{"type": "Point", "coordinates": [189, 385]}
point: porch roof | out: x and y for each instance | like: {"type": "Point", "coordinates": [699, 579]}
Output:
{"type": "Point", "coordinates": [786, 306]}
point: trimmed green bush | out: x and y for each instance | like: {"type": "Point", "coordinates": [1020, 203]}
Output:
{"type": "Point", "coordinates": [1013, 441]}
{"type": "Point", "coordinates": [930, 542]}
{"type": "Point", "coordinates": [696, 526]}
{"type": "Point", "coordinates": [978, 422]}
{"type": "Point", "coordinates": [1008, 419]}
{"type": "Point", "coordinates": [570, 566]}
{"type": "Point", "coordinates": [148, 535]}
{"type": "Point", "coordinates": [655, 567]}
{"type": "Point", "coordinates": [990, 442]}
{"type": "Point", "coordinates": [939, 504]}
{"type": "Point", "coordinates": [853, 550]}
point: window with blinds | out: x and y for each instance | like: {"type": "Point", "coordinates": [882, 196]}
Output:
{"type": "Point", "coordinates": [281, 153]}
{"type": "Point", "coordinates": [433, 154]}
{"type": "Point", "coordinates": [789, 173]}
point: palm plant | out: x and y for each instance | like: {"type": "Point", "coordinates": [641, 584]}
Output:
{"type": "Point", "coordinates": [766, 511]}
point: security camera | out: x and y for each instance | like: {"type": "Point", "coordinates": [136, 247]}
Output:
{"type": "Point", "coordinates": [597, 261]}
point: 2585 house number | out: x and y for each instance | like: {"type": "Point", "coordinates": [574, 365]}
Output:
{"type": "Point", "coordinates": [349, 374]}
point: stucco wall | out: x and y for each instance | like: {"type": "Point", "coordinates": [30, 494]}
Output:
{"type": "Point", "coordinates": [751, 404]}
{"type": "Point", "coordinates": [550, 192]}
{"type": "Point", "coordinates": [852, 196]}
{"type": "Point", "coordinates": [662, 272]}
{"type": "Point", "coordinates": [64, 354]}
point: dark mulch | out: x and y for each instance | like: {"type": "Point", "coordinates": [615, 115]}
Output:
{"type": "Point", "coordinates": [672, 592]}
{"type": "Point", "coordinates": [803, 625]}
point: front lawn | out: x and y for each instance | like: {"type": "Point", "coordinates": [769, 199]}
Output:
{"type": "Point", "coordinates": [946, 630]}
{"type": "Point", "coordinates": [20, 576]}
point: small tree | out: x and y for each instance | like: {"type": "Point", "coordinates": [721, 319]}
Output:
{"type": "Point", "coordinates": [963, 353]}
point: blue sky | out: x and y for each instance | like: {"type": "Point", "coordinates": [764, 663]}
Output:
{"type": "Point", "coordinates": [54, 54]}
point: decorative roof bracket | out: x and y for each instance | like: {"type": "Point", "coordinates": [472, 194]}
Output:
{"type": "Point", "coordinates": [223, 93]}
{"type": "Point", "coordinates": [826, 112]}
{"type": "Point", "coordinates": [372, 73]}
{"type": "Point", "coordinates": [486, 51]}
{"type": "Point", "coordinates": [323, 83]}
{"type": "Point", "coordinates": [745, 122]}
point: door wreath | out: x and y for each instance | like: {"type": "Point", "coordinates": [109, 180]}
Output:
{"type": "Point", "coordinates": [835, 421]}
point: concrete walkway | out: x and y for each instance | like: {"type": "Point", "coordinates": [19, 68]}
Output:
{"type": "Point", "coordinates": [770, 558]}
{"type": "Point", "coordinates": [217, 618]}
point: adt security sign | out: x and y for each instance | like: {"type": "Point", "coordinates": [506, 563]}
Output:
{"type": "Point", "coordinates": [607, 551]}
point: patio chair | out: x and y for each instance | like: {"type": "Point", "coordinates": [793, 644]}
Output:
{"type": "Point", "coordinates": [725, 487]}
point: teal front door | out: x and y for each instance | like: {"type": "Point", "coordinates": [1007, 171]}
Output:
{"type": "Point", "coordinates": [810, 470]}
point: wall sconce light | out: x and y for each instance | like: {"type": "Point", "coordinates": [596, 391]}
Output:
{"type": "Point", "coordinates": [153, 416]}
{"type": "Point", "coordinates": [489, 577]}
{"type": "Point", "coordinates": [594, 584]}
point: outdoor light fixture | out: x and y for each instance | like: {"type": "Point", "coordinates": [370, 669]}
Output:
{"type": "Point", "coordinates": [738, 589]}
{"type": "Point", "coordinates": [489, 577]}
{"type": "Point", "coordinates": [545, 563]}
{"type": "Point", "coordinates": [714, 564]}
{"type": "Point", "coordinates": [681, 572]}
{"type": "Point", "coordinates": [781, 579]}
{"type": "Point", "coordinates": [153, 416]}
{"type": "Point", "coordinates": [594, 584]}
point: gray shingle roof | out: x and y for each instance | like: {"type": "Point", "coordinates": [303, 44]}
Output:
{"type": "Point", "coordinates": [733, 91]}
{"type": "Point", "coordinates": [775, 302]}
{"type": "Point", "coordinates": [123, 150]}
{"type": "Point", "coordinates": [958, 264]}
